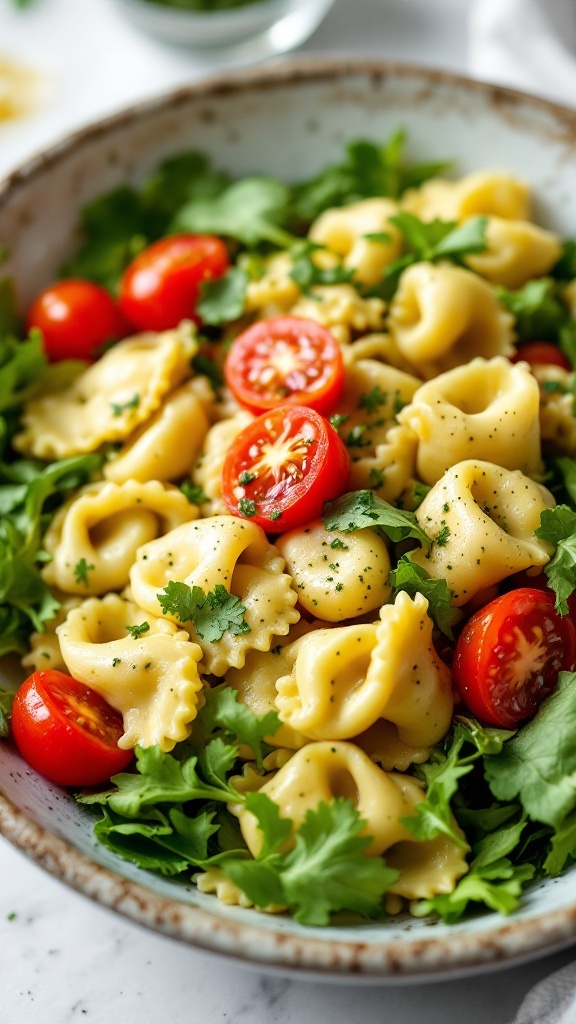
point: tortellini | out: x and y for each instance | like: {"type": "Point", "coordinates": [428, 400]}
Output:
{"type": "Point", "coordinates": [342, 309]}
{"type": "Point", "coordinates": [110, 399]}
{"type": "Point", "coordinates": [491, 193]}
{"type": "Point", "coordinates": [443, 316]}
{"type": "Point", "coordinates": [557, 419]}
{"type": "Point", "coordinates": [275, 291]}
{"type": "Point", "coordinates": [382, 451]}
{"type": "Point", "coordinates": [167, 445]}
{"type": "Point", "coordinates": [337, 576]}
{"type": "Point", "coordinates": [322, 771]}
{"type": "Point", "coordinates": [487, 409]}
{"type": "Point", "coordinates": [152, 679]}
{"type": "Point", "coordinates": [230, 552]}
{"type": "Point", "coordinates": [344, 679]}
{"type": "Point", "coordinates": [481, 521]}
{"type": "Point", "coordinates": [93, 540]}
{"type": "Point", "coordinates": [346, 230]}
{"type": "Point", "coordinates": [515, 252]}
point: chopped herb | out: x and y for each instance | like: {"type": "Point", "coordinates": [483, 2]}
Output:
{"type": "Point", "coordinates": [133, 403]}
{"type": "Point", "coordinates": [194, 493]}
{"type": "Point", "coordinates": [442, 537]}
{"type": "Point", "coordinates": [246, 477]}
{"type": "Point", "coordinates": [81, 570]}
{"type": "Point", "coordinates": [247, 507]}
{"type": "Point", "coordinates": [213, 614]}
{"type": "Point", "coordinates": [137, 631]}
{"type": "Point", "coordinates": [372, 400]}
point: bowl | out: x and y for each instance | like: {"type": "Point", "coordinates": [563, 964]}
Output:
{"type": "Point", "coordinates": [245, 34]}
{"type": "Point", "coordinates": [234, 118]}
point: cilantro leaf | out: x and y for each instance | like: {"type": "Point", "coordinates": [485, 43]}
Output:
{"type": "Point", "coordinates": [6, 700]}
{"type": "Point", "coordinates": [497, 885]}
{"type": "Point", "coordinates": [137, 631]}
{"type": "Point", "coordinates": [558, 527]}
{"type": "Point", "coordinates": [212, 614]}
{"type": "Point", "coordinates": [359, 509]}
{"type": "Point", "coordinates": [169, 844]}
{"type": "Point", "coordinates": [223, 710]}
{"type": "Point", "coordinates": [329, 847]}
{"type": "Point", "coordinates": [414, 579]}
{"type": "Point", "coordinates": [251, 210]}
{"type": "Point", "coordinates": [538, 765]}
{"type": "Point", "coordinates": [223, 299]}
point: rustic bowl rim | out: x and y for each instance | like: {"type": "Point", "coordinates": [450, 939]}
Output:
{"type": "Point", "coordinates": [437, 958]}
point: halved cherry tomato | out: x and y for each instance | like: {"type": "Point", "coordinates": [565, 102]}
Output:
{"type": "Point", "coordinates": [66, 731]}
{"type": "Point", "coordinates": [76, 318]}
{"type": "Point", "coordinates": [541, 353]}
{"type": "Point", "coordinates": [538, 582]}
{"type": "Point", "coordinates": [282, 468]}
{"type": "Point", "coordinates": [286, 359]}
{"type": "Point", "coordinates": [509, 654]}
{"type": "Point", "coordinates": [162, 285]}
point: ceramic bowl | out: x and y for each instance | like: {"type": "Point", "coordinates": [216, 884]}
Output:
{"type": "Point", "coordinates": [235, 119]}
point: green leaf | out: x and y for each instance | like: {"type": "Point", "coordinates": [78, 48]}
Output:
{"type": "Point", "coordinates": [306, 273]}
{"type": "Point", "coordinates": [567, 469]}
{"type": "Point", "coordinates": [212, 614]}
{"type": "Point", "coordinates": [359, 509]}
{"type": "Point", "coordinates": [414, 579]}
{"type": "Point", "coordinates": [498, 886]}
{"type": "Point", "coordinates": [538, 311]}
{"type": "Point", "coordinates": [251, 210]}
{"type": "Point", "coordinates": [223, 299]}
{"type": "Point", "coordinates": [6, 700]}
{"type": "Point", "coordinates": [486, 739]}
{"type": "Point", "coordinates": [565, 268]}
{"type": "Point", "coordinates": [433, 815]}
{"type": "Point", "coordinates": [9, 319]}
{"type": "Point", "coordinates": [329, 848]}
{"type": "Point", "coordinates": [538, 765]}
{"type": "Point", "coordinates": [223, 710]}
{"type": "Point", "coordinates": [22, 365]}
{"type": "Point", "coordinates": [563, 846]}
{"type": "Point", "coordinates": [275, 830]}
{"type": "Point", "coordinates": [558, 527]}
{"type": "Point", "coordinates": [160, 778]}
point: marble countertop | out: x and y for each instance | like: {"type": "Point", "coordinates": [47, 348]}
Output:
{"type": "Point", "coordinates": [64, 959]}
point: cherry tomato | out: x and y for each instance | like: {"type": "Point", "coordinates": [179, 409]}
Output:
{"type": "Point", "coordinates": [66, 731]}
{"type": "Point", "coordinates": [162, 285]}
{"type": "Point", "coordinates": [282, 468]}
{"type": "Point", "coordinates": [541, 353]}
{"type": "Point", "coordinates": [509, 654]}
{"type": "Point", "coordinates": [76, 318]}
{"type": "Point", "coordinates": [286, 360]}
{"type": "Point", "coordinates": [539, 582]}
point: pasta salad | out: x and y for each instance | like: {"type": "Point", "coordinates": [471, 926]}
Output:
{"type": "Point", "coordinates": [288, 535]}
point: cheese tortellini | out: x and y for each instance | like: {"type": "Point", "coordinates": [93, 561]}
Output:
{"type": "Point", "coordinates": [347, 230]}
{"type": "Point", "coordinates": [481, 521]}
{"type": "Point", "coordinates": [491, 193]}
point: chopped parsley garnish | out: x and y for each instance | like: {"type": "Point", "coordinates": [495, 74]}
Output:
{"type": "Point", "coordinates": [212, 614]}
{"type": "Point", "coordinates": [81, 570]}
{"type": "Point", "coordinates": [194, 493]}
{"type": "Point", "coordinates": [373, 400]}
{"type": "Point", "coordinates": [133, 403]}
{"type": "Point", "coordinates": [246, 477]}
{"type": "Point", "coordinates": [137, 631]}
{"type": "Point", "coordinates": [442, 537]}
{"type": "Point", "coordinates": [274, 515]}
{"type": "Point", "coordinates": [247, 507]}
{"type": "Point", "coordinates": [338, 419]}
{"type": "Point", "coordinates": [359, 509]}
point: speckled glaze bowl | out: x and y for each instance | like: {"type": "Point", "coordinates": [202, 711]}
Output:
{"type": "Point", "coordinates": [236, 119]}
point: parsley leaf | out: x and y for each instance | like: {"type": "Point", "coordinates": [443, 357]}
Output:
{"type": "Point", "coordinates": [541, 314]}
{"type": "Point", "coordinates": [306, 272]}
{"type": "Point", "coordinates": [433, 815]}
{"type": "Point", "coordinates": [251, 210]}
{"type": "Point", "coordinates": [328, 847]}
{"type": "Point", "coordinates": [81, 570]}
{"type": "Point", "coordinates": [414, 579]}
{"type": "Point", "coordinates": [538, 765]}
{"type": "Point", "coordinates": [137, 631]}
{"type": "Point", "coordinates": [132, 403]}
{"type": "Point", "coordinates": [212, 614]}
{"type": "Point", "coordinates": [223, 299]}
{"type": "Point", "coordinates": [359, 509]}
{"type": "Point", "coordinates": [223, 710]}
{"type": "Point", "coordinates": [558, 527]}
{"type": "Point", "coordinates": [193, 492]}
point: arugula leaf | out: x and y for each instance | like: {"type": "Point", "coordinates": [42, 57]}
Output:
{"type": "Point", "coordinates": [212, 614]}
{"type": "Point", "coordinates": [22, 364]}
{"type": "Point", "coordinates": [414, 579]}
{"type": "Point", "coordinates": [498, 885]}
{"type": "Point", "coordinates": [538, 765]}
{"type": "Point", "coordinates": [329, 847]}
{"type": "Point", "coordinates": [251, 210]}
{"type": "Point", "coordinates": [169, 844]}
{"type": "Point", "coordinates": [223, 710]}
{"type": "Point", "coordinates": [433, 815]}
{"type": "Point", "coordinates": [359, 509]}
{"type": "Point", "coordinates": [558, 527]}
{"type": "Point", "coordinates": [6, 700]}
{"type": "Point", "coordinates": [562, 846]}
{"type": "Point", "coordinates": [223, 299]}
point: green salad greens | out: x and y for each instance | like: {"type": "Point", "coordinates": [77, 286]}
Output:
{"type": "Point", "coordinates": [505, 798]}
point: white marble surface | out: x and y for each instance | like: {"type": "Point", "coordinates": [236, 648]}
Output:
{"type": "Point", "coordinates": [63, 959]}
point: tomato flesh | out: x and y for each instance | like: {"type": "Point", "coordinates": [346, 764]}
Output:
{"type": "Point", "coordinates": [76, 318]}
{"type": "Point", "coordinates": [282, 468]}
{"type": "Point", "coordinates": [161, 286]}
{"type": "Point", "coordinates": [66, 731]}
{"type": "Point", "coordinates": [509, 654]}
{"type": "Point", "coordinates": [541, 353]}
{"type": "Point", "coordinates": [286, 359]}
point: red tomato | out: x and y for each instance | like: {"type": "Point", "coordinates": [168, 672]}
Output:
{"type": "Point", "coordinates": [286, 360]}
{"type": "Point", "coordinates": [541, 353]}
{"type": "Point", "coordinates": [162, 285]}
{"type": "Point", "coordinates": [539, 582]}
{"type": "Point", "coordinates": [283, 467]}
{"type": "Point", "coordinates": [76, 318]}
{"type": "Point", "coordinates": [509, 654]}
{"type": "Point", "coordinates": [66, 731]}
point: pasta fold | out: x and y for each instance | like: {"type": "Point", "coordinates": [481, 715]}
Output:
{"type": "Point", "coordinates": [481, 520]}
{"type": "Point", "coordinates": [492, 193]}
{"type": "Point", "coordinates": [344, 230]}
{"type": "Point", "coordinates": [152, 681]}
{"type": "Point", "coordinates": [516, 252]}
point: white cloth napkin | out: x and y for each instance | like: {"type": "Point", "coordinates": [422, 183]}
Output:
{"type": "Point", "coordinates": [527, 44]}
{"type": "Point", "coordinates": [552, 1001]}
